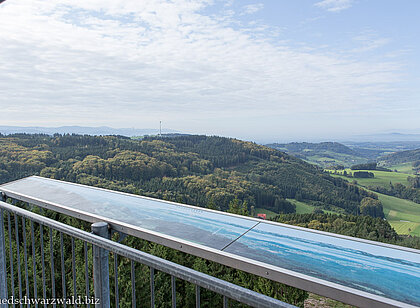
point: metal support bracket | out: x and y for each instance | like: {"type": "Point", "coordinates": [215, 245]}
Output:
{"type": "Point", "coordinates": [121, 235]}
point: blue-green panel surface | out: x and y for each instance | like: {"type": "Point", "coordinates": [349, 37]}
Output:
{"type": "Point", "coordinates": [211, 229]}
{"type": "Point", "coordinates": [380, 270]}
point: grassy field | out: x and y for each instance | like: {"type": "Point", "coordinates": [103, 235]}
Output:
{"type": "Point", "coordinates": [403, 215]}
{"type": "Point", "coordinates": [304, 208]}
{"type": "Point", "coordinates": [403, 168]}
{"type": "Point", "coordinates": [382, 178]}
{"type": "Point", "coordinates": [270, 214]}
{"type": "Point", "coordinates": [332, 158]}
{"type": "Point", "coordinates": [301, 208]}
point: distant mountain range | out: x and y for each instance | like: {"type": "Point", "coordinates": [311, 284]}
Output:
{"type": "Point", "coordinates": [83, 130]}
{"type": "Point", "coordinates": [304, 147]}
{"type": "Point", "coordinates": [327, 154]}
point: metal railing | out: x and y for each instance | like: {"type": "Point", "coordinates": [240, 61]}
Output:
{"type": "Point", "coordinates": [64, 279]}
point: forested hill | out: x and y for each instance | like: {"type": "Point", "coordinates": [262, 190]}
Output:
{"type": "Point", "coordinates": [198, 170]}
{"type": "Point", "coordinates": [402, 157]}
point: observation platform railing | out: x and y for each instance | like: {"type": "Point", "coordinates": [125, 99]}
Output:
{"type": "Point", "coordinates": [29, 280]}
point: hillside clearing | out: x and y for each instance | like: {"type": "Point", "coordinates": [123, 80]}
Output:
{"type": "Point", "coordinates": [382, 178]}
{"type": "Point", "coordinates": [403, 215]}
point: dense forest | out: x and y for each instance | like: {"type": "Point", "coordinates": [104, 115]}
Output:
{"type": "Point", "coordinates": [213, 172]}
{"type": "Point", "coordinates": [197, 170]}
{"type": "Point", "coordinates": [410, 192]}
{"type": "Point", "coordinates": [402, 157]}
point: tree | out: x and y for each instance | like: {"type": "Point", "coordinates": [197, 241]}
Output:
{"type": "Point", "coordinates": [371, 207]}
{"type": "Point", "coordinates": [238, 207]}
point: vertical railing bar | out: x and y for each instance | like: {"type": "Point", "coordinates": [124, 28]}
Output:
{"type": "Point", "coordinates": [225, 302]}
{"type": "Point", "coordinates": [44, 291]}
{"type": "Point", "coordinates": [52, 265]}
{"type": "Point", "coordinates": [86, 272]}
{"type": "Point", "coordinates": [197, 296]}
{"type": "Point", "coordinates": [173, 287]}
{"type": "Point", "coordinates": [12, 273]}
{"type": "Point", "coordinates": [25, 255]}
{"type": "Point", "coordinates": [117, 295]}
{"type": "Point", "coordinates": [133, 285]}
{"type": "Point", "coordinates": [93, 274]}
{"type": "Point", "coordinates": [3, 274]}
{"type": "Point", "coordinates": [34, 261]}
{"type": "Point", "coordinates": [152, 287]}
{"type": "Point", "coordinates": [18, 255]}
{"type": "Point", "coordinates": [63, 270]}
{"type": "Point", "coordinates": [73, 257]}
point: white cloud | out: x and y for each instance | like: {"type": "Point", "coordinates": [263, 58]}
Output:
{"type": "Point", "coordinates": [334, 5]}
{"type": "Point", "coordinates": [252, 8]}
{"type": "Point", "coordinates": [369, 41]}
{"type": "Point", "coordinates": [132, 63]}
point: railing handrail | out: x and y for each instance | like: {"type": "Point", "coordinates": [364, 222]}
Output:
{"type": "Point", "coordinates": [211, 283]}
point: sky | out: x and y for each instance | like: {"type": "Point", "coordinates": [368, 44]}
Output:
{"type": "Point", "coordinates": [270, 70]}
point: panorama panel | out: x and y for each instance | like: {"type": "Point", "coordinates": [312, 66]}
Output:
{"type": "Point", "coordinates": [366, 272]}
{"type": "Point", "coordinates": [208, 228]}
{"type": "Point", "coordinates": [375, 269]}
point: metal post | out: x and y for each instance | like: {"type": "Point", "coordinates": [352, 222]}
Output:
{"type": "Point", "coordinates": [3, 274]}
{"type": "Point", "coordinates": [101, 266]}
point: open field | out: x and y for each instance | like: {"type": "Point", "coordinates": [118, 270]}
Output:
{"type": "Point", "coordinates": [301, 207]}
{"type": "Point", "coordinates": [331, 158]}
{"type": "Point", "coordinates": [382, 178]}
{"type": "Point", "coordinates": [304, 208]}
{"type": "Point", "coordinates": [270, 214]}
{"type": "Point", "coordinates": [406, 228]}
{"type": "Point", "coordinates": [403, 215]}
{"type": "Point", "coordinates": [403, 168]}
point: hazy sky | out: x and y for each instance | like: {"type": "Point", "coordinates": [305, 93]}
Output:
{"type": "Point", "coordinates": [248, 69]}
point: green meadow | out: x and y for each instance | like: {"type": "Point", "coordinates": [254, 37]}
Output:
{"type": "Point", "coordinates": [301, 208]}
{"type": "Point", "coordinates": [304, 208]}
{"type": "Point", "coordinates": [382, 178]}
{"type": "Point", "coordinates": [270, 214]}
{"type": "Point", "coordinates": [403, 215]}
{"type": "Point", "coordinates": [403, 168]}
{"type": "Point", "coordinates": [332, 158]}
